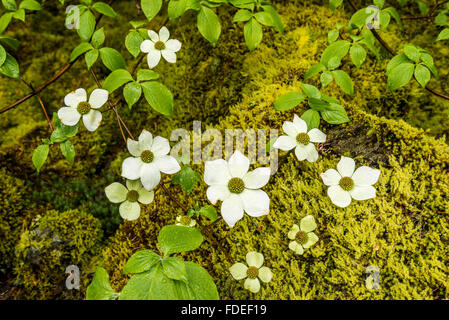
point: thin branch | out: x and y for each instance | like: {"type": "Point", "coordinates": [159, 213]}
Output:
{"type": "Point", "coordinates": [29, 85]}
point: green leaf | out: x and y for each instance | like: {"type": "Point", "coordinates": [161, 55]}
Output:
{"type": "Point", "coordinates": [5, 20]}
{"type": "Point", "coordinates": [175, 268]}
{"type": "Point", "coordinates": [136, 24]}
{"type": "Point", "coordinates": [68, 150]}
{"type": "Point", "coordinates": [395, 61]}
{"type": "Point", "coordinates": [379, 3]}
{"type": "Point", "coordinates": [422, 75]}
{"type": "Point", "coordinates": [318, 104]}
{"type": "Point", "coordinates": [104, 9]}
{"type": "Point", "coordinates": [312, 118]}
{"type": "Point", "coordinates": [334, 4]}
{"type": "Point", "coordinates": [87, 25]}
{"type": "Point", "coordinates": [313, 70]}
{"type": "Point", "coordinates": [326, 78]}
{"type": "Point", "coordinates": [141, 261]}
{"type": "Point", "coordinates": [336, 50]}
{"type": "Point", "coordinates": [98, 38]}
{"type": "Point", "coordinates": [10, 5]}
{"type": "Point", "coordinates": [357, 54]}
{"type": "Point", "coordinates": [332, 35]}
{"type": "Point", "coordinates": [62, 132]}
{"type": "Point", "coordinates": [335, 114]}
{"type": "Point", "coordinates": [10, 67]}
{"type": "Point", "coordinates": [384, 19]}
{"type": "Point", "coordinates": [209, 212]}
{"type": "Point", "coordinates": [2, 55]}
{"type": "Point", "coordinates": [427, 60]}
{"type": "Point", "coordinates": [209, 25]}
{"type": "Point", "coordinates": [392, 11]}
{"type": "Point", "coordinates": [11, 42]}
{"type": "Point", "coordinates": [132, 92]}
{"type": "Point", "coordinates": [360, 18]}
{"type": "Point", "coordinates": [186, 178]}
{"type": "Point", "coordinates": [19, 14]}
{"type": "Point", "coordinates": [443, 35]}
{"type": "Point", "coordinates": [176, 8]}
{"type": "Point", "coordinates": [242, 15]}
{"type": "Point", "coordinates": [90, 57]}
{"type": "Point", "coordinates": [159, 97]}
{"type": "Point", "coordinates": [80, 49]}
{"type": "Point", "coordinates": [100, 287]}
{"type": "Point", "coordinates": [310, 91]}
{"type": "Point", "coordinates": [400, 75]}
{"type": "Point", "coordinates": [411, 52]}
{"type": "Point", "coordinates": [288, 101]}
{"type": "Point", "coordinates": [344, 81]}
{"type": "Point", "coordinates": [151, 8]}
{"type": "Point", "coordinates": [174, 239]}
{"type": "Point", "coordinates": [40, 155]}
{"type": "Point", "coordinates": [275, 17]}
{"type": "Point", "coordinates": [112, 59]}
{"type": "Point", "coordinates": [253, 34]}
{"type": "Point", "coordinates": [132, 42]}
{"type": "Point", "coordinates": [32, 5]}
{"type": "Point", "coordinates": [200, 284]}
{"type": "Point", "coordinates": [116, 79]}
{"type": "Point", "coordinates": [146, 75]}
{"type": "Point", "coordinates": [264, 18]}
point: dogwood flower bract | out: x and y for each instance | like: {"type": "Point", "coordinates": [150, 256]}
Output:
{"type": "Point", "coordinates": [149, 158]}
{"type": "Point", "coordinates": [302, 235]}
{"type": "Point", "coordinates": [185, 221]}
{"type": "Point", "coordinates": [160, 45]}
{"type": "Point", "coordinates": [253, 272]}
{"type": "Point", "coordinates": [129, 197]}
{"type": "Point", "coordinates": [299, 138]}
{"type": "Point", "coordinates": [347, 183]}
{"type": "Point", "coordinates": [230, 182]}
{"type": "Point", "coordinates": [78, 106]}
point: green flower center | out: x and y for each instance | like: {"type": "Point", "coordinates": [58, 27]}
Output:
{"type": "Point", "coordinates": [302, 237]}
{"type": "Point", "coordinates": [132, 196]}
{"type": "Point", "coordinates": [346, 183]}
{"type": "Point", "coordinates": [185, 220]}
{"type": "Point", "coordinates": [303, 138]}
{"type": "Point", "coordinates": [83, 107]}
{"type": "Point", "coordinates": [147, 156]}
{"type": "Point", "coordinates": [236, 185]}
{"type": "Point", "coordinates": [159, 45]}
{"type": "Point", "coordinates": [252, 272]}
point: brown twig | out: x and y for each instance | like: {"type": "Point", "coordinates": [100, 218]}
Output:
{"type": "Point", "coordinates": [55, 77]}
{"type": "Point", "coordinates": [392, 52]}
{"type": "Point", "coordinates": [29, 85]}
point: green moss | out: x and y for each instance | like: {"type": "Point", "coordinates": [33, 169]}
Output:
{"type": "Point", "coordinates": [49, 246]}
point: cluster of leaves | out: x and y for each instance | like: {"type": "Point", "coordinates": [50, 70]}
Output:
{"type": "Point", "coordinates": [442, 20]}
{"type": "Point", "coordinates": [186, 178]}
{"type": "Point", "coordinates": [156, 94]}
{"type": "Point", "coordinates": [60, 135]}
{"type": "Point", "coordinates": [8, 64]}
{"type": "Point", "coordinates": [207, 211]}
{"type": "Point", "coordinates": [412, 61]}
{"type": "Point", "coordinates": [158, 277]}
{"type": "Point", "coordinates": [321, 105]}
{"type": "Point", "coordinates": [254, 13]}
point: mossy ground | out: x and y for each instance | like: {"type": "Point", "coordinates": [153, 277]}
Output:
{"type": "Point", "coordinates": [404, 231]}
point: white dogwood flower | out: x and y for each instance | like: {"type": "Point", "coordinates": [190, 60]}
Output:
{"type": "Point", "coordinates": [185, 221]}
{"type": "Point", "coordinates": [302, 235]}
{"type": "Point", "coordinates": [129, 197]}
{"type": "Point", "coordinates": [160, 44]}
{"type": "Point", "coordinates": [347, 183]}
{"type": "Point", "coordinates": [230, 182]}
{"type": "Point", "coordinates": [298, 136]}
{"type": "Point", "coordinates": [253, 272]}
{"type": "Point", "coordinates": [78, 106]}
{"type": "Point", "coordinates": [149, 158]}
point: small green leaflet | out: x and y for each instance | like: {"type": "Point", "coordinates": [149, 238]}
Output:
{"type": "Point", "coordinates": [186, 178]}
{"type": "Point", "coordinates": [174, 239]}
{"type": "Point", "coordinates": [40, 155]}
{"type": "Point", "coordinates": [100, 287]}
